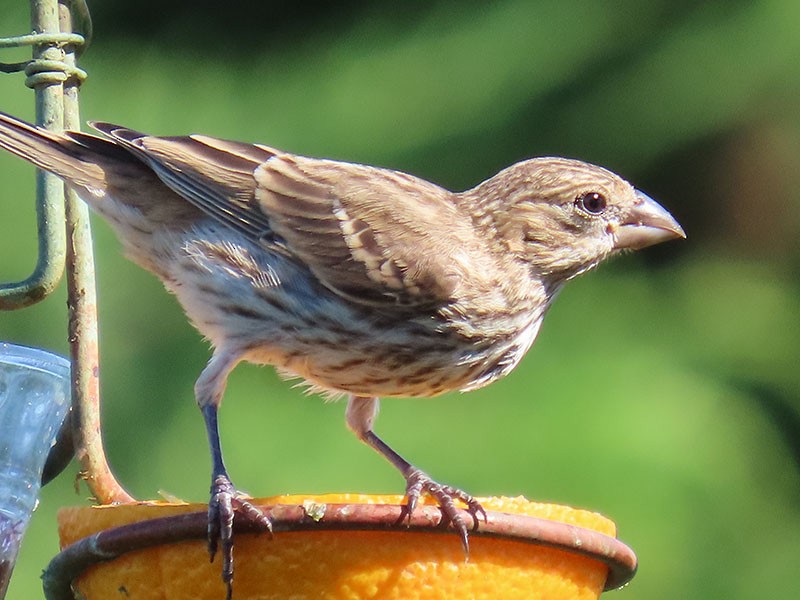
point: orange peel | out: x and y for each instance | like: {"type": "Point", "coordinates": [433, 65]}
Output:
{"type": "Point", "coordinates": [332, 560]}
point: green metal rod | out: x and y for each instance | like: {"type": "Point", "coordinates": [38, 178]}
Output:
{"type": "Point", "coordinates": [49, 189]}
{"type": "Point", "coordinates": [46, 72]}
{"type": "Point", "coordinates": [35, 39]}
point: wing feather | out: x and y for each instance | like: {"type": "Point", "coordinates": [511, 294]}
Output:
{"type": "Point", "coordinates": [214, 175]}
{"type": "Point", "coordinates": [389, 238]}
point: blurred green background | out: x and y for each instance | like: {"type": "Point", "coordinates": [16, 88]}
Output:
{"type": "Point", "coordinates": [664, 389]}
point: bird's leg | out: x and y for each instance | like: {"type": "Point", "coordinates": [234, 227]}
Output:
{"type": "Point", "coordinates": [360, 415]}
{"type": "Point", "coordinates": [225, 500]}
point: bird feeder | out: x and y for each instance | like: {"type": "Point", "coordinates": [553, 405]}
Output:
{"type": "Point", "coordinates": [34, 399]}
{"type": "Point", "coordinates": [341, 546]}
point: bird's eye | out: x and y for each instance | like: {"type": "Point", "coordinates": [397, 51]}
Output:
{"type": "Point", "coordinates": [593, 203]}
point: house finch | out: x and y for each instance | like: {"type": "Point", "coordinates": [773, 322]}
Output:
{"type": "Point", "coordinates": [362, 281]}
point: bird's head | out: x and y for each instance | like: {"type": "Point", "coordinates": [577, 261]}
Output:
{"type": "Point", "coordinates": [563, 216]}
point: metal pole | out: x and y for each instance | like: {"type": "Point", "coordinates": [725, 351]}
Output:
{"type": "Point", "coordinates": [82, 303]}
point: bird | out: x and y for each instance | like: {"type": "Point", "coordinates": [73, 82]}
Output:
{"type": "Point", "coordinates": [364, 282]}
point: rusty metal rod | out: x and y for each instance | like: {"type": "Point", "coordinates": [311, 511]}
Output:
{"type": "Point", "coordinates": [82, 306]}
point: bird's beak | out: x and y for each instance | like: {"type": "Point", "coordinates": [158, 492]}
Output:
{"type": "Point", "coordinates": [646, 224]}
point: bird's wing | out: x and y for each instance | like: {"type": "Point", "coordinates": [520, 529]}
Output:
{"type": "Point", "coordinates": [372, 235]}
{"type": "Point", "coordinates": [369, 234]}
{"type": "Point", "coordinates": [214, 175]}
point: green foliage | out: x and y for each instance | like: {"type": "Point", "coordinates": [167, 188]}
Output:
{"type": "Point", "coordinates": [636, 400]}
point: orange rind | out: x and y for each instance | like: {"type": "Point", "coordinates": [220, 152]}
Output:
{"type": "Point", "coordinates": [343, 546]}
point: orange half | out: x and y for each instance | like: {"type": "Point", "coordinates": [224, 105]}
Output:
{"type": "Point", "coordinates": [339, 565]}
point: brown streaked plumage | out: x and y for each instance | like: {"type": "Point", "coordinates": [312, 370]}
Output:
{"type": "Point", "coordinates": [361, 281]}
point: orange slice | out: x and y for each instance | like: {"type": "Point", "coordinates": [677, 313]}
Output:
{"type": "Point", "coordinates": [341, 564]}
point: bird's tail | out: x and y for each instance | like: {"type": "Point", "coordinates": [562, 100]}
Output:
{"type": "Point", "coordinates": [114, 182]}
{"type": "Point", "coordinates": [80, 159]}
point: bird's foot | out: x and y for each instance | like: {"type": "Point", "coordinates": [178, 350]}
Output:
{"type": "Point", "coordinates": [225, 502]}
{"type": "Point", "coordinates": [419, 483]}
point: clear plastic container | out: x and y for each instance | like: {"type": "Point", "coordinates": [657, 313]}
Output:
{"type": "Point", "coordinates": [34, 399]}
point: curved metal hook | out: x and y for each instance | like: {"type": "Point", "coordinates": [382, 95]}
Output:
{"type": "Point", "coordinates": [46, 71]}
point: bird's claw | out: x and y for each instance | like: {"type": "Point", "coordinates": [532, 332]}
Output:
{"type": "Point", "coordinates": [418, 483]}
{"type": "Point", "coordinates": [224, 503]}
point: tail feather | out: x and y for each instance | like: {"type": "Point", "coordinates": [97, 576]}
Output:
{"type": "Point", "coordinates": [113, 180]}
{"type": "Point", "coordinates": [77, 158]}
